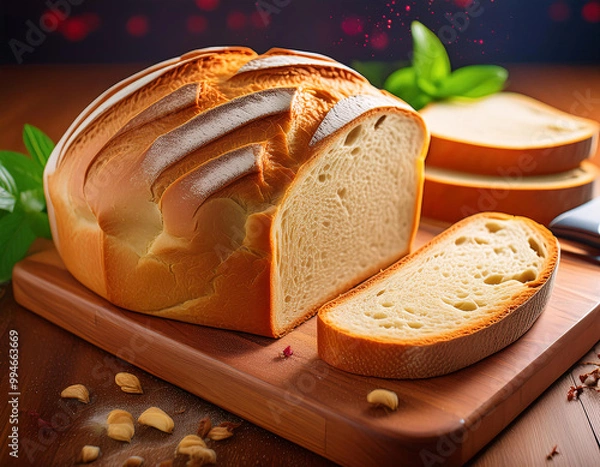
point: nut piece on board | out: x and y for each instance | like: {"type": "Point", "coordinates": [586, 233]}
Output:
{"type": "Point", "coordinates": [120, 425]}
{"type": "Point", "coordinates": [188, 444]}
{"type": "Point", "coordinates": [158, 419]}
{"type": "Point", "coordinates": [133, 461]}
{"type": "Point", "coordinates": [204, 427]}
{"type": "Point", "coordinates": [76, 391]}
{"type": "Point", "coordinates": [384, 398]}
{"type": "Point", "coordinates": [128, 383]}
{"type": "Point", "coordinates": [219, 432]}
{"type": "Point", "coordinates": [89, 453]}
{"type": "Point", "coordinates": [195, 448]}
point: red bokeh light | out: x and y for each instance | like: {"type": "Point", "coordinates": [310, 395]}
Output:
{"type": "Point", "coordinates": [196, 24]}
{"type": "Point", "coordinates": [379, 40]}
{"type": "Point", "coordinates": [559, 11]}
{"type": "Point", "coordinates": [591, 12]}
{"type": "Point", "coordinates": [74, 29]}
{"type": "Point", "coordinates": [137, 25]}
{"type": "Point", "coordinates": [236, 20]}
{"type": "Point", "coordinates": [352, 25]}
{"type": "Point", "coordinates": [463, 3]}
{"type": "Point", "coordinates": [207, 5]}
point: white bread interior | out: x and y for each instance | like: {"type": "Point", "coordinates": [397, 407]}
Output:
{"type": "Point", "coordinates": [468, 293]}
{"type": "Point", "coordinates": [506, 120]}
{"type": "Point", "coordinates": [342, 221]}
{"type": "Point", "coordinates": [167, 194]}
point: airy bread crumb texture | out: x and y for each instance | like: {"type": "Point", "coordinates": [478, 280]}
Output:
{"type": "Point", "coordinates": [472, 275]}
{"type": "Point", "coordinates": [342, 212]}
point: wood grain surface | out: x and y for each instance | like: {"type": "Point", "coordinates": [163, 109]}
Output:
{"type": "Point", "coordinates": [312, 404]}
{"type": "Point", "coordinates": [52, 432]}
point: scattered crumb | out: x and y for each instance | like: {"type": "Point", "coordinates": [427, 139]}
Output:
{"type": "Point", "coordinates": [574, 393]}
{"type": "Point", "coordinates": [287, 352]}
{"type": "Point", "coordinates": [553, 453]}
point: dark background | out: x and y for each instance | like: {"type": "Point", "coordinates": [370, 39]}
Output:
{"type": "Point", "coordinates": [484, 31]}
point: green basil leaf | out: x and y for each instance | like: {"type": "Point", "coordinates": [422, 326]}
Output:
{"type": "Point", "coordinates": [38, 144]}
{"type": "Point", "coordinates": [26, 172]}
{"type": "Point", "coordinates": [33, 200]}
{"type": "Point", "coordinates": [473, 81]}
{"type": "Point", "coordinates": [403, 83]}
{"type": "Point", "coordinates": [39, 224]}
{"type": "Point", "coordinates": [430, 59]}
{"type": "Point", "coordinates": [16, 237]}
{"type": "Point", "coordinates": [8, 190]}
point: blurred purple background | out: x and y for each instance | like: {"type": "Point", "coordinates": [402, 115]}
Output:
{"type": "Point", "coordinates": [476, 31]}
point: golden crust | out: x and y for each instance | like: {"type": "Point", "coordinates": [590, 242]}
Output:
{"type": "Point", "coordinates": [446, 200]}
{"type": "Point", "coordinates": [534, 159]}
{"type": "Point", "coordinates": [445, 352]}
{"type": "Point", "coordinates": [105, 207]}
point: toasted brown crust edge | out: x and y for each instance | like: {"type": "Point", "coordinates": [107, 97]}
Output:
{"type": "Point", "coordinates": [485, 160]}
{"type": "Point", "coordinates": [466, 156]}
{"type": "Point", "coordinates": [448, 202]}
{"type": "Point", "coordinates": [423, 358]}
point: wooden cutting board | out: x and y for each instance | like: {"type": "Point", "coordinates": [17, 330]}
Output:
{"type": "Point", "coordinates": [444, 419]}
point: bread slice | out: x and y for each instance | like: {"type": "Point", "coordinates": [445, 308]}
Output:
{"type": "Point", "coordinates": [504, 132]}
{"type": "Point", "coordinates": [468, 293]}
{"type": "Point", "coordinates": [450, 196]}
{"type": "Point", "coordinates": [236, 190]}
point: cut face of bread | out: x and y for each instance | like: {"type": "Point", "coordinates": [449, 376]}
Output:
{"type": "Point", "coordinates": [349, 213]}
{"type": "Point", "coordinates": [236, 190]}
{"type": "Point", "coordinates": [470, 292]}
{"type": "Point", "coordinates": [450, 196]}
{"type": "Point", "coordinates": [499, 133]}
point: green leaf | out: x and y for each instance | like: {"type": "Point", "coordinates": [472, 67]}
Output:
{"type": "Point", "coordinates": [38, 144]}
{"type": "Point", "coordinates": [16, 237]}
{"type": "Point", "coordinates": [430, 60]}
{"type": "Point", "coordinates": [26, 172]}
{"type": "Point", "coordinates": [403, 83]}
{"type": "Point", "coordinates": [33, 200]}
{"type": "Point", "coordinates": [39, 224]}
{"type": "Point", "coordinates": [8, 190]}
{"type": "Point", "coordinates": [473, 81]}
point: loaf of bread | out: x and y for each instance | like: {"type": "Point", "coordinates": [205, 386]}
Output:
{"type": "Point", "coordinates": [450, 196]}
{"type": "Point", "coordinates": [507, 132]}
{"type": "Point", "coordinates": [468, 293]}
{"type": "Point", "coordinates": [236, 190]}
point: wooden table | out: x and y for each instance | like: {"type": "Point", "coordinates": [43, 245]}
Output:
{"type": "Point", "coordinates": [51, 358]}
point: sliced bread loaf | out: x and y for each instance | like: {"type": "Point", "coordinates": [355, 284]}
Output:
{"type": "Point", "coordinates": [470, 292]}
{"type": "Point", "coordinates": [450, 196]}
{"type": "Point", "coordinates": [236, 190]}
{"type": "Point", "coordinates": [507, 131]}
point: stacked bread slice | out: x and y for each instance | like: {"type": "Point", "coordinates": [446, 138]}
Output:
{"type": "Point", "coordinates": [509, 153]}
